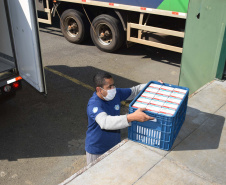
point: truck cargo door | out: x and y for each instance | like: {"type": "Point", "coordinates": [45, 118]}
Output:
{"type": "Point", "coordinates": [24, 30]}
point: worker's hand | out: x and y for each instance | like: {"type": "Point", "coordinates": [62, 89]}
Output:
{"type": "Point", "coordinates": [139, 115]}
{"type": "Point", "coordinates": [160, 81]}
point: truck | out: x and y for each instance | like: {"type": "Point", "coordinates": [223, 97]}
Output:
{"type": "Point", "coordinates": [20, 53]}
{"type": "Point", "coordinates": [156, 23]}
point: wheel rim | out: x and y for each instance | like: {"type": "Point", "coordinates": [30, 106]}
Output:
{"type": "Point", "coordinates": [71, 26]}
{"type": "Point", "coordinates": [104, 34]}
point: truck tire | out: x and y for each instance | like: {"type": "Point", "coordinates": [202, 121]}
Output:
{"type": "Point", "coordinates": [74, 26]}
{"type": "Point", "coordinates": [107, 33]}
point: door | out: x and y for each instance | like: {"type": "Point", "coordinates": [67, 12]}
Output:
{"type": "Point", "coordinates": [25, 36]}
{"type": "Point", "coordinates": [204, 47]}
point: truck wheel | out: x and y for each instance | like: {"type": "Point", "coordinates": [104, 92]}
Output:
{"type": "Point", "coordinates": [107, 33]}
{"type": "Point", "coordinates": [74, 26]}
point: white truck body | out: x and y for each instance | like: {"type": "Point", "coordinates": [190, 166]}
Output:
{"type": "Point", "coordinates": [20, 54]}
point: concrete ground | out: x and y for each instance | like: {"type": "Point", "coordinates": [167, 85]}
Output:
{"type": "Point", "coordinates": [42, 138]}
{"type": "Point", "coordinates": [197, 156]}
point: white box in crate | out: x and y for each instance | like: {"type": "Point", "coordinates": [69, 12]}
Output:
{"type": "Point", "coordinates": [143, 100]}
{"type": "Point", "coordinates": [152, 90]}
{"type": "Point", "coordinates": [155, 86]}
{"type": "Point", "coordinates": [170, 105]}
{"type": "Point", "coordinates": [167, 88]}
{"type": "Point", "coordinates": [174, 100]}
{"type": "Point", "coordinates": [166, 111]}
{"type": "Point", "coordinates": [153, 108]}
{"type": "Point", "coordinates": [139, 105]}
{"type": "Point", "coordinates": [177, 95]}
{"type": "Point", "coordinates": [180, 90]}
{"type": "Point", "coordinates": [164, 92]}
{"type": "Point", "coordinates": [160, 97]}
{"type": "Point", "coordinates": [157, 102]}
{"type": "Point", "coordinates": [148, 95]}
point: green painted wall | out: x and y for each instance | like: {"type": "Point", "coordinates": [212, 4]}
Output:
{"type": "Point", "coordinates": [204, 50]}
{"type": "Point", "coordinates": [175, 5]}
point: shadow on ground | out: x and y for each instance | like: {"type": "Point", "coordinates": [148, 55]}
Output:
{"type": "Point", "coordinates": [200, 131]}
{"type": "Point", "coordinates": [35, 126]}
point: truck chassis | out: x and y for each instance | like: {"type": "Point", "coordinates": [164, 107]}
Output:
{"type": "Point", "coordinates": [109, 21]}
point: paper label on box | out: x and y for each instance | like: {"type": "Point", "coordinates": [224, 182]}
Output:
{"type": "Point", "coordinates": [180, 90]}
{"type": "Point", "coordinates": [167, 88]}
{"type": "Point", "coordinates": [167, 111]}
{"type": "Point", "coordinates": [153, 108]}
{"type": "Point", "coordinates": [164, 92]}
{"type": "Point", "coordinates": [174, 100]}
{"type": "Point", "coordinates": [177, 95]}
{"type": "Point", "coordinates": [155, 86]}
{"type": "Point", "coordinates": [152, 90]}
{"type": "Point", "coordinates": [139, 105]}
{"type": "Point", "coordinates": [148, 95]}
{"type": "Point", "coordinates": [157, 102]}
{"type": "Point", "coordinates": [143, 100]}
{"type": "Point", "coordinates": [170, 105]}
{"type": "Point", "coordinates": [161, 97]}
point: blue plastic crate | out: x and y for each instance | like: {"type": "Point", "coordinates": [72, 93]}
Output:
{"type": "Point", "coordinates": [163, 132]}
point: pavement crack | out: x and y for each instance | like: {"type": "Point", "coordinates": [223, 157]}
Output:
{"type": "Point", "coordinates": [220, 108]}
{"type": "Point", "coordinates": [147, 171]}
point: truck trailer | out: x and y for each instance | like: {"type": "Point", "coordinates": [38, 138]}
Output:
{"type": "Point", "coordinates": [20, 54]}
{"type": "Point", "coordinates": [156, 23]}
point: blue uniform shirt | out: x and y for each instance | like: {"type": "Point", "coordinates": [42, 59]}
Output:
{"type": "Point", "coordinates": [98, 140]}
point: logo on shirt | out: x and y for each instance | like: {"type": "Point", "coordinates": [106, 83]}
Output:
{"type": "Point", "coordinates": [95, 109]}
{"type": "Point", "coordinates": [117, 107]}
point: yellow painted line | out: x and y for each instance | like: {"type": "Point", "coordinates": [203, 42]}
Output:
{"type": "Point", "coordinates": [77, 82]}
{"type": "Point", "coordinates": [71, 79]}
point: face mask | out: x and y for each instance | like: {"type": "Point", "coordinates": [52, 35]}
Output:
{"type": "Point", "coordinates": [111, 94]}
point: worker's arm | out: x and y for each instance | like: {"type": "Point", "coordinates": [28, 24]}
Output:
{"type": "Point", "coordinates": [111, 122]}
{"type": "Point", "coordinates": [135, 91]}
{"type": "Point", "coordinates": [119, 122]}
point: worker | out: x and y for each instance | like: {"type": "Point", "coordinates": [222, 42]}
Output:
{"type": "Point", "coordinates": [104, 119]}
